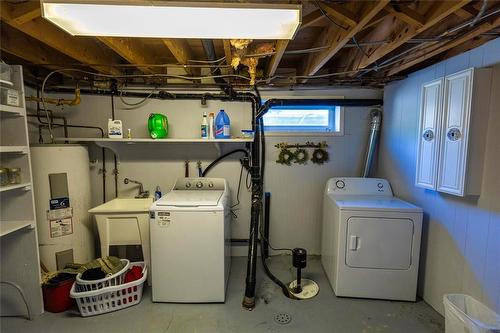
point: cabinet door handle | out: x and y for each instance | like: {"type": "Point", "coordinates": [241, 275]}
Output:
{"type": "Point", "coordinates": [428, 135]}
{"type": "Point", "coordinates": [453, 134]}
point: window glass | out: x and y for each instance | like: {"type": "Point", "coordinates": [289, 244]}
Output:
{"type": "Point", "coordinates": [302, 119]}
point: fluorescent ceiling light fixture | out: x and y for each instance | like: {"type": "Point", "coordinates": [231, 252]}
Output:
{"type": "Point", "coordinates": [165, 19]}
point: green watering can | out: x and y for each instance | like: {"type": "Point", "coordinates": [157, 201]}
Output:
{"type": "Point", "coordinates": [158, 126]}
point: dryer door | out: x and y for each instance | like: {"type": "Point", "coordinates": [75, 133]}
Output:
{"type": "Point", "coordinates": [379, 243]}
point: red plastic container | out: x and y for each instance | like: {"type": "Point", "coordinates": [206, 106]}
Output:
{"type": "Point", "coordinates": [56, 296]}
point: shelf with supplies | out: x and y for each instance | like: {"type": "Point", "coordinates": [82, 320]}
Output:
{"type": "Point", "coordinates": [7, 227]}
{"type": "Point", "coordinates": [114, 144]}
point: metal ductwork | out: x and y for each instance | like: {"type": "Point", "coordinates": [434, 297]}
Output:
{"type": "Point", "coordinates": [209, 48]}
{"type": "Point", "coordinates": [376, 121]}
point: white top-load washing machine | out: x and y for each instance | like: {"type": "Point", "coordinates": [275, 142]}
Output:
{"type": "Point", "coordinates": [190, 242]}
{"type": "Point", "coordinates": [370, 240]}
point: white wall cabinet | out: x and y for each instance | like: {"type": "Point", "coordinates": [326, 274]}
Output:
{"type": "Point", "coordinates": [452, 132]}
{"type": "Point", "coordinates": [430, 120]}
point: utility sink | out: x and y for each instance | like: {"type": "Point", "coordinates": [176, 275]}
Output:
{"type": "Point", "coordinates": [124, 221]}
{"type": "Point", "coordinates": [123, 205]}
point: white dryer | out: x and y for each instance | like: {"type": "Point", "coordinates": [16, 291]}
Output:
{"type": "Point", "coordinates": [370, 240]}
{"type": "Point", "coordinates": [190, 242]}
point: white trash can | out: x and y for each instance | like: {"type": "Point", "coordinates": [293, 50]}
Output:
{"type": "Point", "coordinates": [464, 314]}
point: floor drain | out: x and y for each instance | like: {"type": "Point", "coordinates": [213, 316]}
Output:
{"type": "Point", "coordinates": [283, 318]}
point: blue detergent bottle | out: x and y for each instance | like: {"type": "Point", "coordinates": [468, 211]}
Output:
{"type": "Point", "coordinates": [222, 126]}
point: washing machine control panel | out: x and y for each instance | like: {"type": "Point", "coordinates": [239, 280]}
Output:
{"type": "Point", "coordinates": [207, 184]}
{"type": "Point", "coordinates": [359, 186]}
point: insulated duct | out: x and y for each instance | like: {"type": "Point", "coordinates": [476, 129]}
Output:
{"type": "Point", "coordinates": [209, 48]}
{"type": "Point", "coordinates": [376, 120]}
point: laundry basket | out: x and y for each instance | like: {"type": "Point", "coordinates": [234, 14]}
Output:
{"type": "Point", "coordinates": [112, 280]}
{"type": "Point", "coordinates": [112, 298]}
{"type": "Point", "coordinates": [464, 314]}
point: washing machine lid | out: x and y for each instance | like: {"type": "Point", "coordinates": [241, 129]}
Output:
{"type": "Point", "coordinates": [374, 203]}
{"type": "Point", "coordinates": [181, 198]}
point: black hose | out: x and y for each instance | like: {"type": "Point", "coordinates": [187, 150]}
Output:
{"type": "Point", "coordinates": [220, 158]}
{"type": "Point", "coordinates": [270, 275]}
{"type": "Point", "coordinates": [264, 243]}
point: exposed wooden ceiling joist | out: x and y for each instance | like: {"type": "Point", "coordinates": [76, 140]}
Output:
{"type": "Point", "coordinates": [25, 11]}
{"type": "Point", "coordinates": [132, 50]}
{"type": "Point", "coordinates": [429, 52]}
{"type": "Point", "coordinates": [82, 49]}
{"type": "Point", "coordinates": [228, 53]}
{"type": "Point", "coordinates": [22, 46]}
{"type": "Point", "coordinates": [437, 13]}
{"type": "Point", "coordinates": [340, 13]}
{"type": "Point", "coordinates": [375, 20]}
{"type": "Point", "coordinates": [274, 62]}
{"type": "Point", "coordinates": [182, 53]}
{"type": "Point", "coordinates": [311, 19]}
{"type": "Point", "coordinates": [382, 29]}
{"type": "Point", "coordinates": [336, 38]}
{"type": "Point", "coordinates": [464, 13]}
{"type": "Point", "coordinates": [406, 14]}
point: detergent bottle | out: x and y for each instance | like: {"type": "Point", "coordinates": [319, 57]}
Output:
{"type": "Point", "coordinates": [222, 126]}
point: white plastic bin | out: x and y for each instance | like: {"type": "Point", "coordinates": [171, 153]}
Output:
{"type": "Point", "coordinates": [464, 314]}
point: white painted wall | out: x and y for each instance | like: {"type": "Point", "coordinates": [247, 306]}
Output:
{"type": "Point", "coordinates": [461, 240]}
{"type": "Point", "coordinates": [296, 190]}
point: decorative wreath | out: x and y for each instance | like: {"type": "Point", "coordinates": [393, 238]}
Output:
{"type": "Point", "coordinates": [301, 156]}
{"type": "Point", "coordinates": [285, 157]}
{"type": "Point", "coordinates": [319, 156]}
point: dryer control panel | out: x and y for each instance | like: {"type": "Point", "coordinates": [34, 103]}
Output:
{"type": "Point", "coordinates": [201, 183]}
{"type": "Point", "coordinates": [358, 186]}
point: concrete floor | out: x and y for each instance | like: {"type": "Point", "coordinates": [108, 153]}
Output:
{"type": "Point", "coordinates": [324, 313]}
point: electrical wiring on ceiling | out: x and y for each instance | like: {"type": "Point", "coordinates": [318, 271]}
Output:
{"type": "Point", "coordinates": [133, 105]}
{"type": "Point", "coordinates": [328, 16]}
{"type": "Point", "coordinates": [361, 72]}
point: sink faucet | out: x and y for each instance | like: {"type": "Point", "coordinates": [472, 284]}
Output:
{"type": "Point", "coordinates": [142, 193]}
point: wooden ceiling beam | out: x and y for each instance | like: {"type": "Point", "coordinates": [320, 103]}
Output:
{"type": "Point", "coordinates": [82, 49]}
{"type": "Point", "coordinates": [228, 53]}
{"type": "Point", "coordinates": [471, 44]}
{"type": "Point", "coordinates": [311, 19]}
{"type": "Point", "coordinates": [336, 38]}
{"type": "Point", "coordinates": [340, 13]}
{"type": "Point", "coordinates": [407, 15]}
{"type": "Point", "coordinates": [132, 50]}
{"type": "Point", "coordinates": [376, 20]}
{"type": "Point", "coordinates": [22, 46]}
{"type": "Point", "coordinates": [436, 14]}
{"type": "Point", "coordinates": [25, 11]}
{"type": "Point", "coordinates": [429, 52]}
{"type": "Point", "coordinates": [464, 13]}
{"type": "Point", "coordinates": [182, 52]}
{"type": "Point", "coordinates": [274, 62]}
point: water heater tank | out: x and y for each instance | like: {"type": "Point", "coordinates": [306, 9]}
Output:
{"type": "Point", "coordinates": [61, 183]}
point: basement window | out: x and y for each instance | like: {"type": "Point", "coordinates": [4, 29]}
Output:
{"type": "Point", "coordinates": [304, 120]}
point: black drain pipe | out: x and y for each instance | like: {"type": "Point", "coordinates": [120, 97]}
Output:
{"type": "Point", "coordinates": [267, 212]}
{"type": "Point", "coordinates": [115, 160]}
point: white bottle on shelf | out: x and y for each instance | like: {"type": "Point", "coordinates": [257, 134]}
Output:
{"type": "Point", "coordinates": [115, 129]}
{"type": "Point", "coordinates": [204, 127]}
{"type": "Point", "coordinates": [211, 125]}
